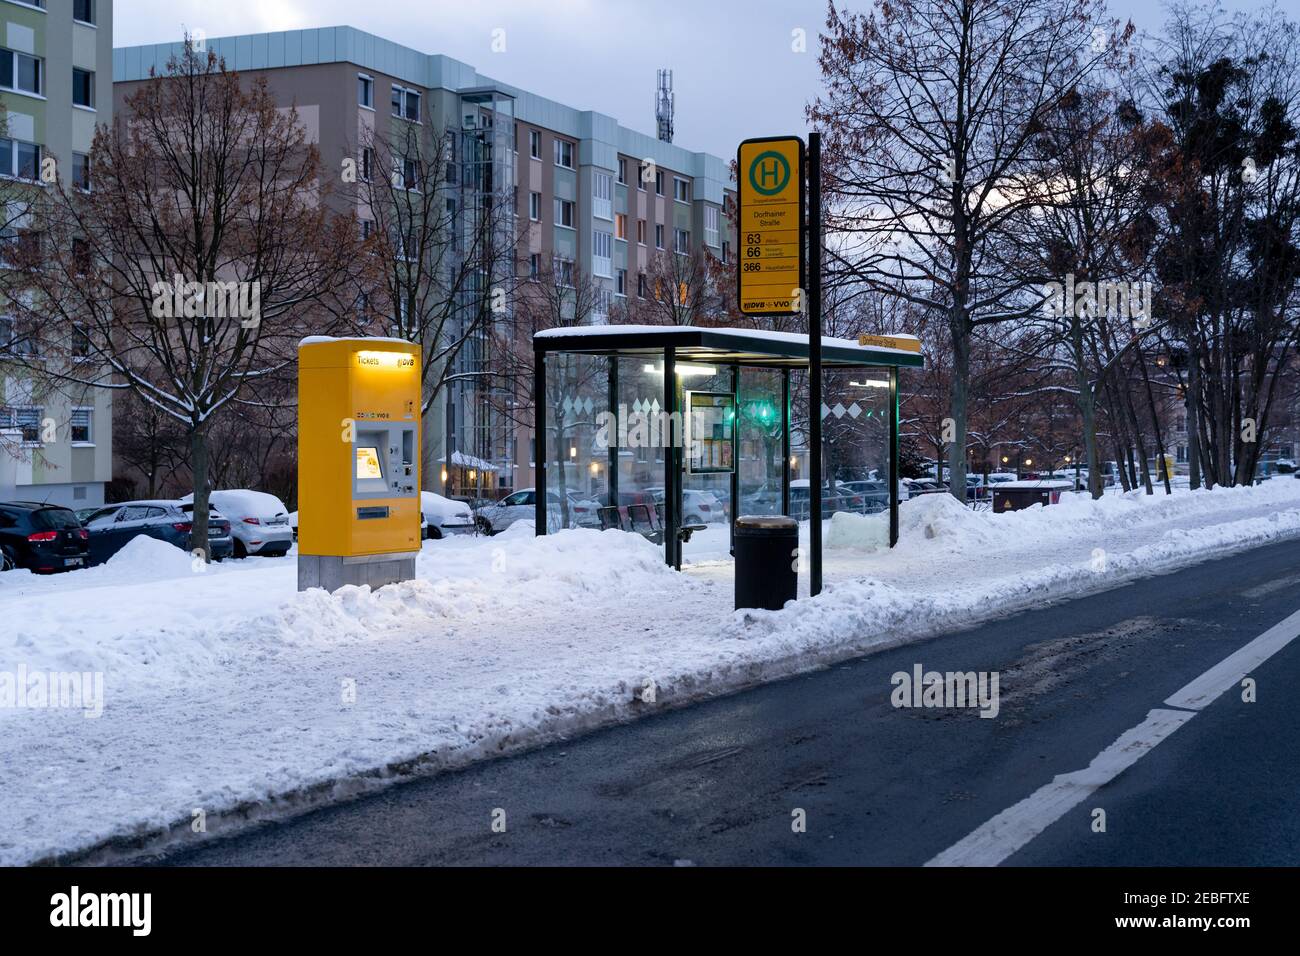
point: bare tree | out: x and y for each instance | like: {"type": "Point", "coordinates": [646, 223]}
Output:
{"type": "Point", "coordinates": [560, 295]}
{"type": "Point", "coordinates": [682, 289]}
{"type": "Point", "coordinates": [440, 245]}
{"type": "Point", "coordinates": [929, 111]}
{"type": "Point", "coordinates": [191, 266]}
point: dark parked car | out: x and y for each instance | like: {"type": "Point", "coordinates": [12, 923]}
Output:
{"type": "Point", "coordinates": [40, 537]}
{"type": "Point", "coordinates": [113, 526]}
{"type": "Point", "coordinates": [874, 494]}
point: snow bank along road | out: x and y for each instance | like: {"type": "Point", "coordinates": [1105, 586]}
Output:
{"type": "Point", "coordinates": [227, 693]}
{"type": "Point", "coordinates": [719, 783]}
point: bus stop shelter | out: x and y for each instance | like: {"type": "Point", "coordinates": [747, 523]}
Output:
{"type": "Point", "coordinates": [667, 418]}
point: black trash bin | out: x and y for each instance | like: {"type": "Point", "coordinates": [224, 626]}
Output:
{"type": "Point", "coordinates": [766, 561]}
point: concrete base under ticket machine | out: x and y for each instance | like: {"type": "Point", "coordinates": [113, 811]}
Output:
{"type": "Point", "coordinates": [332, 573]}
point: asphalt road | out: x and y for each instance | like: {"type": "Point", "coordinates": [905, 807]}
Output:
{"type": "Point", "coordinates": [721, 782]}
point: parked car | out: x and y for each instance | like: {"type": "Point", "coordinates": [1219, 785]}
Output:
{"type": "Point", "coordinates": [584, 511]}
{"type": "Point", "coordinates": [40, 537]}
{"type": "Point", "coordinates": [442, 516]}
{"type": "Point", "coordinates": [874, 494]}
{"type": "Point", "coordinates": [113, 526]}
{"type": "Point", "coordinates": [922, 486]}
{"type": "Point", "coordinates": [698, 507]}
{"type": "Point", "coordinates": [761, 501]}
{"type": "Point", "coordinates": [521, 505]}
{"type": "Point", "coordinates": [259, 522]}
{"type": "Point", "coordinates": [832, 501]}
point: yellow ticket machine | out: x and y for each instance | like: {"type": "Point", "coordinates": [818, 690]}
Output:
{"type": "Point", "coordinates": [358, 461]}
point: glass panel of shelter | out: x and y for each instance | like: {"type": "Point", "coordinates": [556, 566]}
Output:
{"type": "Point", "coordinates": [576, 474]}
{"type": "Point", "coordinates": [855, 410]}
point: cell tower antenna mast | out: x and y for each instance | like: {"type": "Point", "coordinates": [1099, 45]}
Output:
{"type": "Point", "coordinates": [664, 103]}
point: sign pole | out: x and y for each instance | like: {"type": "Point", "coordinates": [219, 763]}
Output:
{"type": "Point", "coordinates": [815, 361]}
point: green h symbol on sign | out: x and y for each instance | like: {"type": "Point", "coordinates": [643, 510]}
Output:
{"type": "Point", "coordinates": [769, 173]}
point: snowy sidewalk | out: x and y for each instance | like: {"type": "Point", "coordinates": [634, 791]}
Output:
{"type": "Point", "coordinates": [225, 689]}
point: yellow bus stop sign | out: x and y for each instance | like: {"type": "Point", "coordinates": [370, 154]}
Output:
{"type": "Point", "coordinates": [770, 225]}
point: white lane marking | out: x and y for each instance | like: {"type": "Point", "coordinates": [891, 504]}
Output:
{"type": "Point", "coordinates": [1011, 829]}
{"type": "Point", "coordinates": [1230, 671]}
{"type": "Point", "coordinates": [1017, 825]}
{"type": "Point", "coordinates": [1269, 587]}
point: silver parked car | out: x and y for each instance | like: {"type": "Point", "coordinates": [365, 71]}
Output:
{"type": "Point", "coordinates": [259, 522]}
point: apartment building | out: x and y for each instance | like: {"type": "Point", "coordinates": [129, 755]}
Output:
{"type": "Point", "coordinates": [572, 177]}
{"type": "Point", "coordinates": [56, 86]}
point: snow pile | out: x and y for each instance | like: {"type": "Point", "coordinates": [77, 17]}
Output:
{"type": "Point", "coordinates": [858, 532]}
{"type": "Point", "coordinates": [224, 686]}
{"type": "Point", "coordinates": [145, 557]}
{"type": "Point", "coordinates": [944, 519]}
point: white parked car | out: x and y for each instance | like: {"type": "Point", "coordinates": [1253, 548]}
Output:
{"type": "Point", "coordinates": [259, 522]}
{"type": "Point", "coordinates": [517, 506]}
{"type": "Point", "coordinates": [442, 516]}
{"type": "Point", "coordinates": [698, 507]}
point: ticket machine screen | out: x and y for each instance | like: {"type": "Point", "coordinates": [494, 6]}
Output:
{"type": "Point", "coordinates": [368, 465]}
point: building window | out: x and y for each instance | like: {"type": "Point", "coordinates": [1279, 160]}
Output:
{"type": "Point", "coordinates": [640, 232]}
{"type": "Point", "coordinates": [80, 342]}
{"type": "Point", "coordinates": [535, 207]}
{"type": "Point", "coordinates": [19, 159]}
{"type": "Point", "coordinates": [622, 172]}
{"type": "Point", "coordinates": [18, 246]}
{"type": "Point", "coordinates": [81, 262]}
{"type": "Point", "coordinates": [640, 176]}
{"type": "Point", "coordinates": [564, 153]}
{"type": "Point", "coordinates": [659, 182]}
{"type": "Point", "coordinates": [81, 172]}
{"type": "Point", "coordinates": [564, 269]}
{"type": "Point", "coordinates": [659, 235]}
{"type": "Point", "coordinates": [83, 88]}
{"type": "Point", "coordinates": [83, 11]}
{"type": "Point", "coordinates": [620, 225]}
{"type": "Point", "coordinates": [726, 252]}
{"type": "Point", "coordinates": [21, 72]}
{"type": "Point", "coordinates": [410, 175]}
{"type": "Point", "coordinates": [564, 213]}
{"type": "Point", "coordinates": [27, 420]}
{"type": "Point", "coordinates": [681, 241]}
{"type": "Point", "coordinates": [620, 283]}
{"type": "Point", "coordinates": [711, 226]}
{"type": "Point", "coordinates": [640, 285]}
{"type": "Point", "coordinates": [602, 205]}
{"type": "Point", "coordinates": [406, 103]}
{"type": "Point", "coordinates": [534, 265]}
{"type": "Point", "coordinates": [367, 229]}
{"type": "Point", "coordinates": [681, 189]}
{"type": "Point", "coordinates": [535, 143]}
{"type": "Point", "coordinates": [367, 163]}
{"type": "Point", "coordinates": [81, 428]}
{"type": "Point", "coordinates": [365, 91]}
{"type": "Point", "coordinates": [602, 252]}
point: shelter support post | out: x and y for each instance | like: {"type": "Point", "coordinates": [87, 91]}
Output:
{"type": "Point", "coordinates": [672, 466]}
{"type": "Point", "coordinates": [815, 362]}
{"type": "Point", "coordinates": [735, 456]}
{"type": "Point", "coordinates": [785, 442]}
{"type": "Point", "coordinates": [611, 479]}
{"type": "Point", "coordinates": [893, 457]}
{"type": "Point", "coordinates": [540, 454]}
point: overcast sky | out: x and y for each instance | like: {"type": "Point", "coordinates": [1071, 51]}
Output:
{"type": "Point", "coordinates": [735, 70]}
